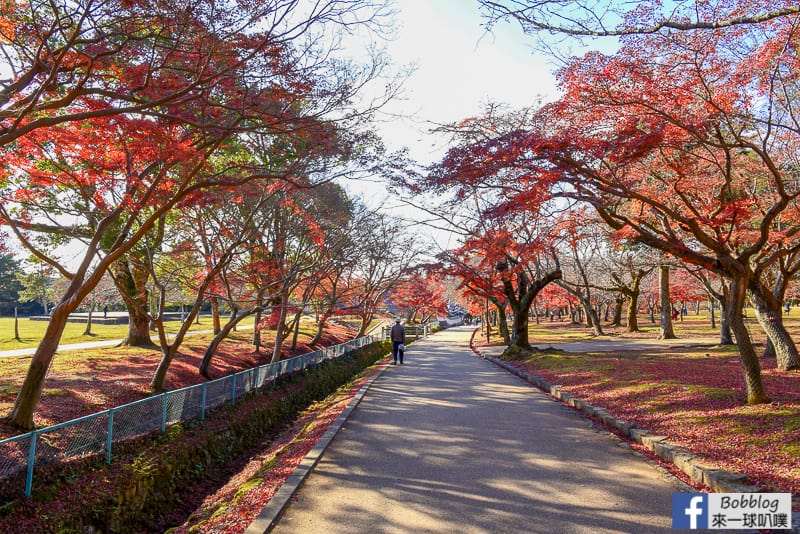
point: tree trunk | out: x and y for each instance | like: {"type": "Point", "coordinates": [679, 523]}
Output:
{"type": "Point", "coordinates": [519, 334]}
{"type": "Point", "coordinates": [633, 293]}
{"type": "Point", "coordinates": [296, 333]}
{"type": "Point", "coordinates": [651, 308]}
{"type": "Point", "coordinates": [215, 315]}
{"type": "Point", "coordinates": [169, 351]}
{"type": "Point", "coordinates": [88, 330]}
{"type": "Point", "coordinates": [521, 301]}
{"type": "Point", "coordinates": [666, 308]}
{"type": "Point", "coordinates": [769, 348]}
{"type": "Point", "coordinates": [28, 398]}
{"type": "Point", "coordinates": [132, 286]}
{"type": "Point", "coordinates": [752, 369]}
{"type": "Point", "coordinates": [712, 313]}
{"type": "Point", "coordinates": [276, 350]}
{"type": "Point", "coordinates": [502, 324]}
{"type": "Point", "coordinates": [320, 328]}
{"type": "Point", "coordinates": [232, 317]}
{"type": "Point", "coordinates": [366, 319]}
{"type": "Point", "coordinates": [16, 324]}
{"type": "Point", "coordinates": [138, 329]}
{"type": "Point", "coordinates": [593, 320]}
{"type": "Point", "coordinates": [619, 300]}
{"type": "Point", "coordinates": [633, 315]}
{"type": "Point", "coordinates": [223, 333]}
{"type": "Point", "coordinates": [160, 376]}
{"type": "Point", "coordinates": [502, 327]}
{"type": "Point", "coordinates": [487, 323]}
{"type": "Point", "coordinates": [21, 415]}
{"type": "Point", "coordinates": [725, 334]}
{"type": "Point", "coordinates": [770, 317]}
{"type": "Point", "coordinates": [257, 331]}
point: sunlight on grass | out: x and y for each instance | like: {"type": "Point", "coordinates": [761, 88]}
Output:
{"type": "Point", "coordinates": [793, 450]}
{"type": "Point", "coordinates": [242, 491]}
{"type": "Point", "coordinates": [792, 423]}
{"type": "Point", "coordinates": [711, 392]}
{"type": "Point", "coordinates": [567, 362]}
{"type": "Point", "coordinates": [31, 332]}
{"type": "Point", "coordinates": [634, 388]}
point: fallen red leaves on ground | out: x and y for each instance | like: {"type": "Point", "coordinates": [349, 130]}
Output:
{"type": "Point", "coordinates": [695, 397]}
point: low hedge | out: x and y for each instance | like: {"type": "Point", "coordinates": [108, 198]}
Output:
{"type": "Point", "coordinates": [144, 483]}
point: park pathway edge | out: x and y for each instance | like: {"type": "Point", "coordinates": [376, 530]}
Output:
{"type": "Point", "coordinates": [272, 512]}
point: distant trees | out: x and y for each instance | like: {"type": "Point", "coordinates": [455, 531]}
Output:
{"type": "Point", "coordinates": [36, 286]}
{"type": "Point", "coordinates": [581, 247]}
{"type": "Point", "coordinates": [10, 284]}
{"type": "Point", "coordinates": [479, 281]}
{"type": "Point", "coordinates": [420, 295]}
{"type": "Point", "coordinates": [628, 267]}
{"type": "Point", "coordinates": [386, 251]}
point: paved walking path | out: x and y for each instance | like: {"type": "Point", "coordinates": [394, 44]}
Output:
{"type": "Point", "coordinates": [449, 442]}
{"type": "Point", "coordinates": [30, 351]}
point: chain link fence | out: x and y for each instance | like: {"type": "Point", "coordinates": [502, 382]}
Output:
{"type": "Point", "coordinates": [96, 434]}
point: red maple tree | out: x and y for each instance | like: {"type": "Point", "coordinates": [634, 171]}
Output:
{"type": "Point", "coordinates": [139, 112]}
{"type": "Point", "coordinates": [686, 154]}
{"type": "Point", "coordinates": [420, 296]}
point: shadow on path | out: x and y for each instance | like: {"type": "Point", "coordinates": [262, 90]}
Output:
{"type": "Point", "coordinates": [449, 442]}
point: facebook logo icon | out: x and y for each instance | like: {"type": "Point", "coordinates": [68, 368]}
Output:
{"type": "Point", "coordinates": [689, 510]}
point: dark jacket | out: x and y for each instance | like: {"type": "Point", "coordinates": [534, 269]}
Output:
{"type": "Point", "coordinates": [398, 333]}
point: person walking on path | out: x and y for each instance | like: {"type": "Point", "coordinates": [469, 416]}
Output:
{"type": "Point", "coordinates": [398, 338]}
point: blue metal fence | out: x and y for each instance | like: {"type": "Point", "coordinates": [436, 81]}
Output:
{"type": "Point", "coordinates": [412, 331]}
{"type": "Point", "coordinates": [97, 433]}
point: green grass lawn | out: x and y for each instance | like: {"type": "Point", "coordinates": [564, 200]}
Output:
{"type": "Point", "coordinates": [31, 332]}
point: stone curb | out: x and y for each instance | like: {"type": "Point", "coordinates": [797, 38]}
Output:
{"type": "Point", "coordinates": [272, 512]}
{"type": "Point", "coordinates": [698, 470]}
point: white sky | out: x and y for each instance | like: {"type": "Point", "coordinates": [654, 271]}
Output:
{"type": "Point", "coordinates": [460, 67]}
